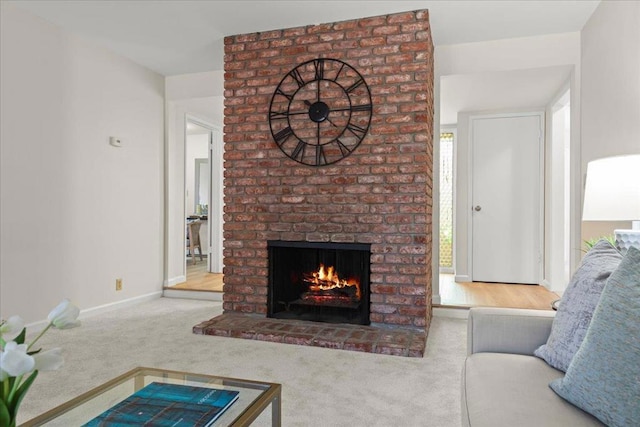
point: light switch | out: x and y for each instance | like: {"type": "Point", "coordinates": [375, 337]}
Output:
{"type": "Point", "coordinates": [115, 141]}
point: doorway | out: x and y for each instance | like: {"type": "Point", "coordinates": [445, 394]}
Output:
{"type": "Point", "coordinates": [503, 92]}
{"type": "Point", "coordinates": [203, 206]}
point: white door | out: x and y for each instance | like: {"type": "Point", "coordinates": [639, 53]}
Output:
{"type": "Point", "coordinates": [506, 198]}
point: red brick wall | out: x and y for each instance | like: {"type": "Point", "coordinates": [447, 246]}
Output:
{"type": "Point", "coordinates": [380, 194]}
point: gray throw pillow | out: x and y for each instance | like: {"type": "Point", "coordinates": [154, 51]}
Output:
{"type": "Point", "coordinates": [577, 305]}
{"type": "Point", "coordinates": [604, 376]}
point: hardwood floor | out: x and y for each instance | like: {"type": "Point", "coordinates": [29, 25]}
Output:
{"type": "Point", "coordinates": [199, 279]}
{"type": "Point", "coordinates": [475, 294]}
{"type": "Point", "coordinates": [452, 294]}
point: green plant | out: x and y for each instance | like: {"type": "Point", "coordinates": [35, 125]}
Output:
{"type": "Point", "coordinates": [590, 243]}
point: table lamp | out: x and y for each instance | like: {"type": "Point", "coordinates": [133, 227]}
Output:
{"type": "Point", "coordinates": [612, 193]}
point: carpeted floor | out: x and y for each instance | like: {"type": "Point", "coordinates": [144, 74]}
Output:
{"type": "Point", "coordinates": [321, 387]}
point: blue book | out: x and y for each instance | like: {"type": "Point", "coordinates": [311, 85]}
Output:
{"type": "Point", "coordinates": [162, 404]}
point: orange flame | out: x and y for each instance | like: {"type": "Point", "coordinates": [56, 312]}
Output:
{"type": "Point", "coordinates": [327, 278]}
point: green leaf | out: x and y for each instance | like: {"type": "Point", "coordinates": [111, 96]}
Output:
{"type": "Point", "coordinates": [4, 387]}
{"type": "Point", "coordinates": [20, 338]}
{"type": "Point", "coordinates": [5, 416]}
{"type": "Point", "coordinates": [588, 244]}
{"type": "Point", "coordinates": [10, 381]}
{"type": "Point", "coordinates": [20, 393]}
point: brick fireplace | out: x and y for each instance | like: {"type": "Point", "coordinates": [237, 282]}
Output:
{"type": "Point", "coordinates": [380, 195]}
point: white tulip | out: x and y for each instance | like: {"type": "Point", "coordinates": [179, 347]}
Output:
{"type": "Point", "coordinates": [49, 360]}
{"type": "Point", "coordinates": [65, 315]}
{"type": "Point", "coordinates": [11, 328]}
{"type": "Point", "coordinates": [15, 361]}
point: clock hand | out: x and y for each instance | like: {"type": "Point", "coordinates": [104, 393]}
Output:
{"type": "Point", "coordinates": [342, 109]}
{"type": "Point", "coordinates": [309, 104]}
{"type": "Point", "coordinates": [329, 120]}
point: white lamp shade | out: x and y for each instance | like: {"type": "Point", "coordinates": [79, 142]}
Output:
{"type": "Point", "coordinates": [612, 191]}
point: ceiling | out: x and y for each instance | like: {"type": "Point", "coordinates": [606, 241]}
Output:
{"type": "Point", "coordinates": [195, 129]}
{"type": "Point", "coordinates": [180, 37]}
{"type": "Point", "coordinates": [506, 90]}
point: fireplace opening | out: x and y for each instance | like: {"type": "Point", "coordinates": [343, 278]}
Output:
{"type": "Point", "coordinates": [322, 282]}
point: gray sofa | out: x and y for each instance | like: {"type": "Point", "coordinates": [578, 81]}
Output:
{"type": "Point", "coordinates": [503, 384]}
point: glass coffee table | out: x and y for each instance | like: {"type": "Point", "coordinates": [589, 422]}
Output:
{"type": "Point", "coordinates": [254, 398]}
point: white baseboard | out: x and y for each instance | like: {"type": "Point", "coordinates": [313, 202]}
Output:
{"type": "Point", "coordinates": [200, 295]}
{"type": "Point", "coordinates": [462, 278]}
{"type": "Point", "coordinates": [118, 304]}
{"type": "Point", "coordinates": [546, 284]}
{"type": "Point", "coordinates": [89, 312]}
{"type": "Point", "coordinates": [452, 313]}
{"type": "Point", "coordinates": [175, 280]}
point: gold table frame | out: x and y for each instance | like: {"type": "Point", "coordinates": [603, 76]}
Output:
{"type": "Point", "coordinates": [262, 394]}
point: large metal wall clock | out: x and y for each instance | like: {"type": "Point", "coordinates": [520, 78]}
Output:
{"type": "Point", "coordinates": [320, 112]}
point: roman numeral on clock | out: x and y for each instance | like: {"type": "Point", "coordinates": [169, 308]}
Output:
{"type": "Point", "coordinates": [343, 148]}
{"type": "Point", "coordinates": [295, 74]}
{"type": "Point", "coordinates": [318, 64]}
{"type": "Point", "coordinates": [286, 95]}
{"type": "Point", "coordinates": [276, 115]}
{"type": "Point", "coordinates": [282, 135]}
{"type": "Point", "coordinates": [355, 85]}
{"type": "Point", "coordinates": [298, 152]}
{"type": "Point", "coordinates": [321, 157]}
{"type": "Point", "coordinates": [356, 130]}
{"type": "Point", "coordinates": [363, 107]}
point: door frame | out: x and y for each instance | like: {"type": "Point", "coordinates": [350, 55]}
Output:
{"type": "Point", "coordinates": [541, 155]}
{"type": "Point", "coordinates": [214, 217]}
{"type": "Point", "coordinates": [560, 101]}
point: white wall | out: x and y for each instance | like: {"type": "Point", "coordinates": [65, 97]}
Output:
{"type": "Point", "coordinates": [195, 85]}
{"type": "Point", "coordinates": [76, 213]}
{"type": "Point", "coordinates": [610, 90]}
{"type": "Point", "coordinates": [496, 56]}
{"type": "Point", "coordinates": [198, 95]}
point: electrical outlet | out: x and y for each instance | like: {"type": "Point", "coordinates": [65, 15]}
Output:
{"type": "Point", "coordinates": [118, 284]}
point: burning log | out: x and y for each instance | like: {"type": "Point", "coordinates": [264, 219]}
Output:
{"type": "Point", "coordinates": [310, 298]}
{"type": "Point", "coordinates": [319, 284]}
{"type": "Point", "coordinates": [347, 292]}
{"type": "Point", "coordinates": [326, 282]}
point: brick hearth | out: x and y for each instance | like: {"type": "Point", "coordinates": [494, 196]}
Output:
{"type": "Point", "coordinates": [381, 194]}
{"type": "Point", "coordinates": [367, 339]}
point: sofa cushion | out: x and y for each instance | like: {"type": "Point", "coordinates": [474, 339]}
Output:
{"type": "Point", "coordinates": [501, 389]}
{"type": "Point", "coordinates": [604, 376]}
{"type": "Point", "coordinates": [577, 305]}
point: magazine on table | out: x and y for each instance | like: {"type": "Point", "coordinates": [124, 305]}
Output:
{"type": "Point", "coordinates": [163, 404]}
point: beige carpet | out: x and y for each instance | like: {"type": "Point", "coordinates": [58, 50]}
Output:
{"type": "Point", "coordinates": [321, 387]}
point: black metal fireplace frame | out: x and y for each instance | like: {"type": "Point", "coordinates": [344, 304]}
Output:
{"type": "Point", "coordinates": [278, 300]}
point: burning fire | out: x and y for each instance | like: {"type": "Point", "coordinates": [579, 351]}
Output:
{"type": "Point", "coordinates": [326, 279]}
